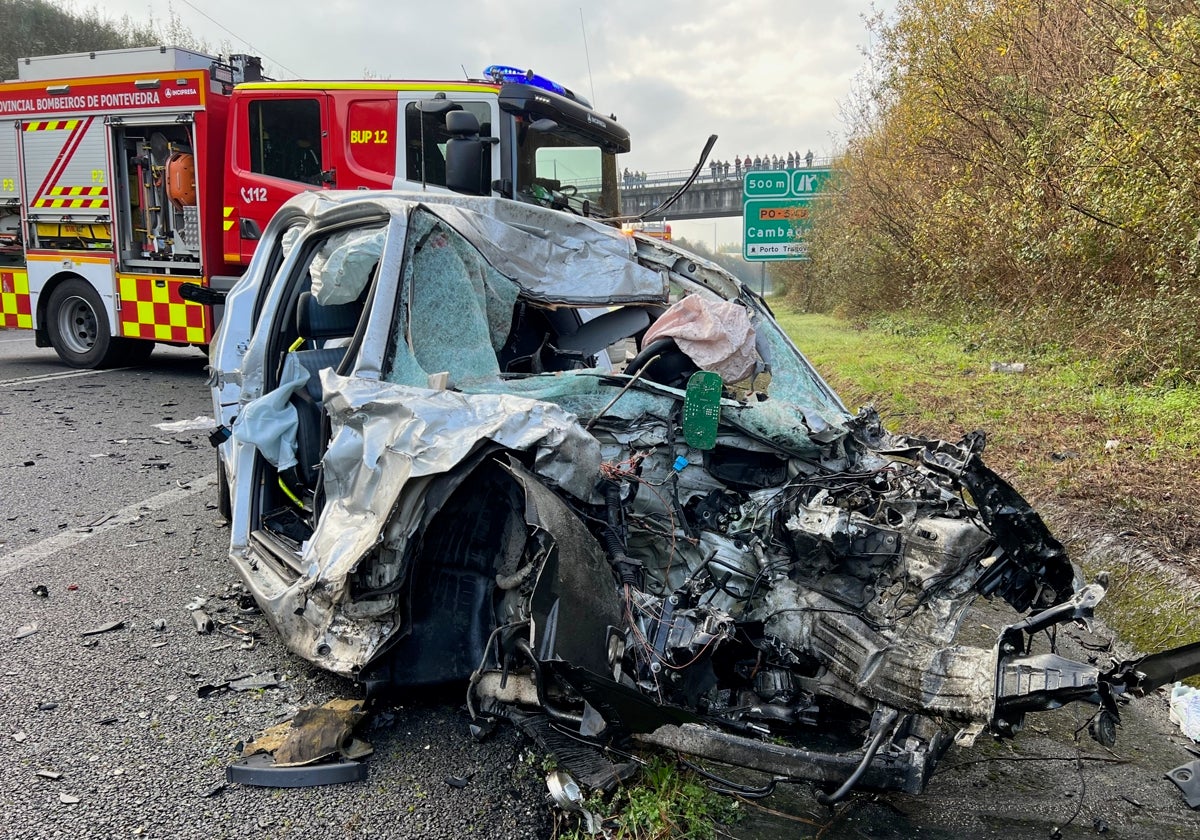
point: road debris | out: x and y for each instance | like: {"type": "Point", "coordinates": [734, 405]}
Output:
{"type": "Point", "coordinates": [1185, 710]}
{"type": "Point", "coordinates": [1187, 778]}
{"type": "Point", "coordinates": [198, 424]}
{"type": "Point", "coordinates": [315, 747]}
{"type": "Point", "coordinates": [68, 799]}
{"type": "Point", "coordinates": [242, 682]}
{"type": "Point", "coordinates": [104, 628]}
{"type": "Point", "coordinates": [567, 795]}
{"type": "Point", "coordinates": [26, 630]}
{"type": "Point", "coordinates": [254, 682]}
{"type": "Point", "coordinates": [202, 622]}
{"type": "Point", "coordinates": [49, 774]}
{"type": "Point", "coordinates": [41, 591]}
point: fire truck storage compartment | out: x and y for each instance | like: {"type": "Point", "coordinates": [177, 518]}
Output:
{"type": "Point", "coordinates": [11, 252]}
{"type": "Point", "coordinates": [65, 183]}
{"type": "Point", "coordinates": [111, 63]}
{"type": "Point", "coordinates": [158, 217]}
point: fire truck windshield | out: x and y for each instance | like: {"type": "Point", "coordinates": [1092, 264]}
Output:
{"type": "Point", "coordinates": [562, 167]}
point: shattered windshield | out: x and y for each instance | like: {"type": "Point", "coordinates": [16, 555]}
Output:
{"type": "Point", "coordinates": [458, 315]}
{"type": "Point", "coordinates": [454, 309]}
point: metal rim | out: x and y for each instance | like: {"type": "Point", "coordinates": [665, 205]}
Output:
{"type": "Point", "coordinates": [77, 324]}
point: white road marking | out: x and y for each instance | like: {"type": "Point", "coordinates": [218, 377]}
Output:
{"type": "Point", "coordinates": [23, 556]}
{"type": "Point", "coordinates": [52, 377]}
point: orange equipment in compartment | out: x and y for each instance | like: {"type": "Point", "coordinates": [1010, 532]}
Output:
{"type": "Point", "coordinates": [181, 180]}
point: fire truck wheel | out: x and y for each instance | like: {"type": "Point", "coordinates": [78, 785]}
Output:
{"type": "Point", "coordinates": [132, 351]}
{"type": "Point", "coordinates": [78, 325]}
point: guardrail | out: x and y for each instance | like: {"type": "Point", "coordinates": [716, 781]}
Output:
{"type": "Point", "coordinates": [643, 180]}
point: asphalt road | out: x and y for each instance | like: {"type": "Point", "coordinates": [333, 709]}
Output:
{"type": "Point", "coordinates": [116, 519]}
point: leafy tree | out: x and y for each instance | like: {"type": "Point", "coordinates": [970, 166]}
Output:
{"type": "Point", "coordinates": [1027, 167]}
{"type": "Point", "coordinates": [40, 27]}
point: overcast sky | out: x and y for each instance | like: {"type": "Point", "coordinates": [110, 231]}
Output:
{"type": "Point", "coordinates": [767, 76]}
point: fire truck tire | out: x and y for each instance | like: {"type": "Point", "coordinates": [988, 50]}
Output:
{"type": "Point", "coordinates": [132, 351]}
{"type": "Point", "coordinates": [78, 325]}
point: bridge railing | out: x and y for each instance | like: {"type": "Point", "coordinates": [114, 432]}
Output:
{"type": "Point", "coordinates": [643, 180]}
{"type": "Point", "coordinates": [678, 176]}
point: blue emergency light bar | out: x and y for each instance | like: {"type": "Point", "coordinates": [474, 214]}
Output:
{"type": "Point", "coordinates": [501, 73]}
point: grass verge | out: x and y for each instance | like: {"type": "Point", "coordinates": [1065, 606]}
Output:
{"type": "Point", "coordinates": [1112, 468]}
{"type": "Point", "coordinates": [663, 801]}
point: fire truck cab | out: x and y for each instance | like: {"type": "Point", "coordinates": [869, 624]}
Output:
{"type": "Point", "coordinates": [128, 174]}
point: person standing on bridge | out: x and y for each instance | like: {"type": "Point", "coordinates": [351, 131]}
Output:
{"type": "Point", "coordinates": [737, 166]}
{"type": "Point", "coordinates": [725, 169]}
{"type": "Point", "coordinates": [791, 161]}
{"type": "Point", "coordinates": [808, 159]}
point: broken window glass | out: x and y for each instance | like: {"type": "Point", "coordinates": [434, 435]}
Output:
{"type": "Point", "coordinates": [454, 311]}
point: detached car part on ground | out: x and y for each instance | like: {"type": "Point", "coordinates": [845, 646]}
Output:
{"type": "Point", "coordinates": [437, 472]}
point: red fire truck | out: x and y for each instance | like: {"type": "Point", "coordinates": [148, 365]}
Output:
{"type": "Point", "coordinates": [655, 230]}
{"type": "Point", "coordinates": [127, 173]}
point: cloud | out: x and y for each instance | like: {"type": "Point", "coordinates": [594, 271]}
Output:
{"type": "Point", "coordinates": [766, 76]}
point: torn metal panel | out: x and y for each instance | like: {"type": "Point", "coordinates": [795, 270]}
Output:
{"type": "Point", "coordinates": [574, 605]}
{"type": "Point", "coordinates": [315, 747]}
{"type": "Point", "coordinates": [384, 437]}
{"type": "Point", "coordinates": [564, 260]}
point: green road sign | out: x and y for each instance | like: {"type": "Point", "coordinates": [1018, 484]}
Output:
{"type": "Point", "coordinates": [773, 228]}
{"type": "Point", "coordinates": [775, 212]}
{"type": "Point", "coordinates": [767, 184]}
{"type": "Point", "coordinates": [784, 183]}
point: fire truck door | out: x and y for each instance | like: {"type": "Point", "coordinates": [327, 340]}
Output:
{"type": "Point", "coordinates": [280, 147]}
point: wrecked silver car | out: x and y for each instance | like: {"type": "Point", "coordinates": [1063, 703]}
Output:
{"type": "Point", "coordinates": [589, 476]}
